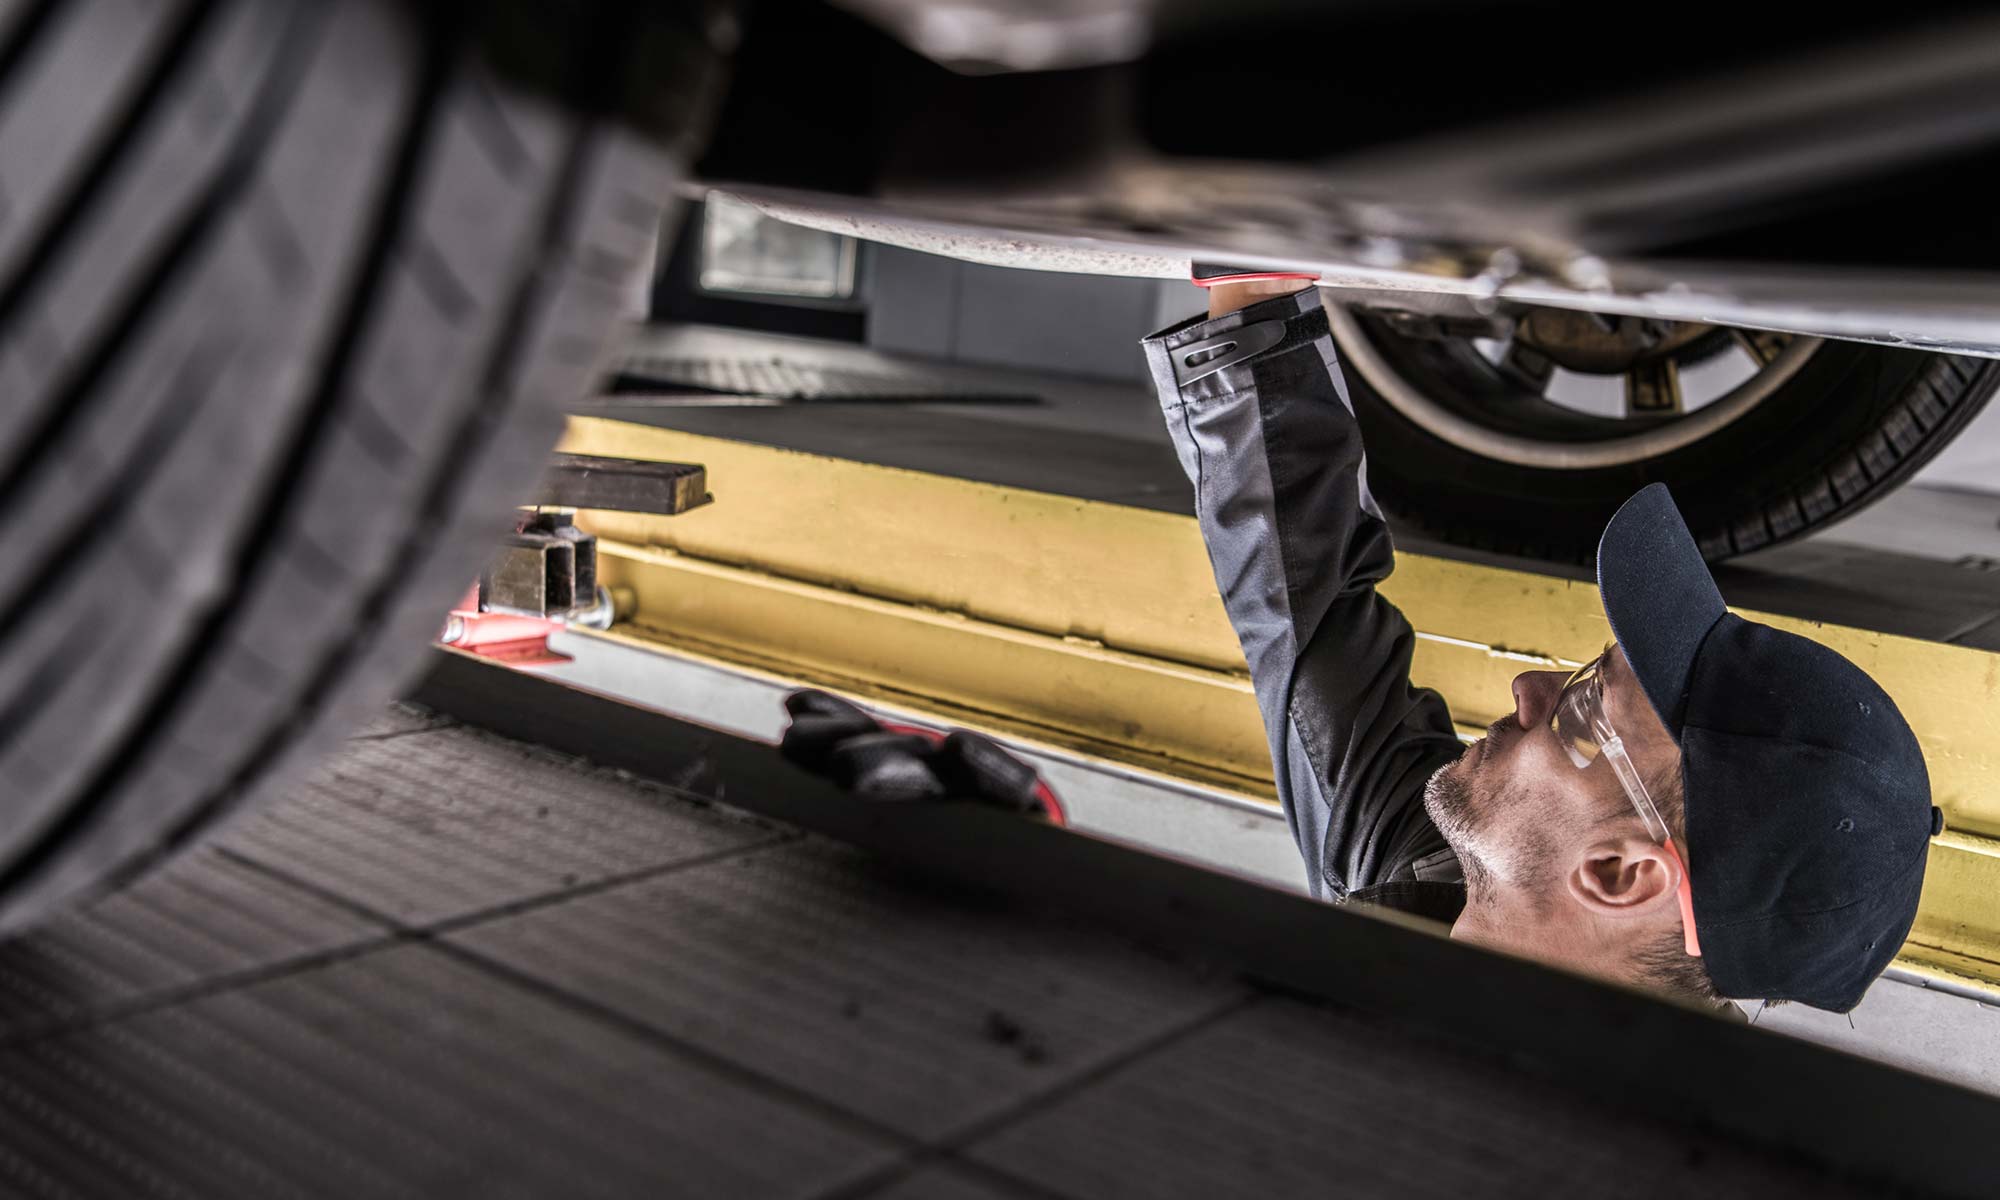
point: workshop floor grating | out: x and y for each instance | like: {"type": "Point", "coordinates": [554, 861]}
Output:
{"type": "Point", "coordinates": [447, 964]}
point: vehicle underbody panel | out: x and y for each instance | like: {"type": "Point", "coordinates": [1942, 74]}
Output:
{"type": "Point", "coordinates": [1727, 167]}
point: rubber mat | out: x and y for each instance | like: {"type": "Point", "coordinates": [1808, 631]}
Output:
{"type": "Point", "coordinates": [946, 1183]}
{"type": "Point", "coordinates": [441, 823]}
{"type": "Point", "coordinates": [1281, 1099]}
{"type": "Point", "coordinates": [397, 720]}
{"type": "Point", "coordinates": [453, 965]}
{"type": "Point", "coordinates": [201, 919]}
{"type": "Point", "coordinates": [400, 1073]}
{"type": "Point", "coordinates": [912, 1006]}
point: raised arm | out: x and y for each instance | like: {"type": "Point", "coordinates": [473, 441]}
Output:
{"type": "Point", "coordinates": [1259, 415]}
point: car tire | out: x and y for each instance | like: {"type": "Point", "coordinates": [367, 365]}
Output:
{"type": "Point", "coordinates": [292, 293]}
{"type": "Point", "coordinates": [1851, 423]}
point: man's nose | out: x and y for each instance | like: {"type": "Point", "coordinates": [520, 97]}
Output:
{"type": "Point", "coordinates": [1535, 695]}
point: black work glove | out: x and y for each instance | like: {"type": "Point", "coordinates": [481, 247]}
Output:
{"type": "Point", "coordinates": [830, 737]}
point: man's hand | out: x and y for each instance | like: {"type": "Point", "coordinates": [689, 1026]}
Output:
{"type": "Point", "coordinates": [1229, 297]}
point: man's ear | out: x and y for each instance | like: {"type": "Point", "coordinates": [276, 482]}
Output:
{"type": "Point", "coordinates": [1624, 877]}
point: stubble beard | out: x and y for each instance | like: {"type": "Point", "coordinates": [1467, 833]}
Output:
{"type": "Point", "coordinates": [1466, 809]}
{"type": "Point", "coordinates": [1449, 802]}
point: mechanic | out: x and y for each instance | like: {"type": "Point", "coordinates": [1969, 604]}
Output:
{"type": "Point", "coordinates": [1712, 808]}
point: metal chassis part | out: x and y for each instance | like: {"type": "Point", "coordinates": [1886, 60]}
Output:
{"type": "Point", "coordinates": [1441, 422]}
{"type": "Point", "coordinates": [1819, 178]}
{"type": "Point", "coordinates": [544, 575]}
{"type": "Point", "coordinates": [1949, 315]}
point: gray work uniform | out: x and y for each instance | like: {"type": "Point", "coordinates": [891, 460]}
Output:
{"type": "Point", "coordinates": [1261, 420]}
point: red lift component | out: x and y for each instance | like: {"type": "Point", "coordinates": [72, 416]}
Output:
{"type": "Point", "coordinates": [516, 640]}
{"type": "Point", "coordinates": [544, 575]}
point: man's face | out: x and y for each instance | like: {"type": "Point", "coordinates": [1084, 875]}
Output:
{"type": "Point", "coordinates": [1521, 816]}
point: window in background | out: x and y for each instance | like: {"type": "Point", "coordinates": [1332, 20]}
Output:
{"type": "Point", "coordinates": [725, 263]}
{"type": "Point", "coordinates": [744, 251]}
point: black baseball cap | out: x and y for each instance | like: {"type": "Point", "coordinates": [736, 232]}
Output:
{"type": "Point", "coordinates": [1808, 806]}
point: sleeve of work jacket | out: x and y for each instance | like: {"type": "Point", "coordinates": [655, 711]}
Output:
{"type": "Point", "coordinates": [1261, 421]}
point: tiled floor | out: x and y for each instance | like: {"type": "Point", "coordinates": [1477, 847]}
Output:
{"type": "Point", "coordinates": [452, 965]}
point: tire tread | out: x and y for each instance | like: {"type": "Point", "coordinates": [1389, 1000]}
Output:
{"type": "Point", "coordinates": [1915, 423]}
{"type": "Point", "coordinates": [272, 602]}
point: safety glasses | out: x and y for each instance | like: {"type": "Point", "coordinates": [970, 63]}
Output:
{"type": "Point", "coordinates": [1586, 735]}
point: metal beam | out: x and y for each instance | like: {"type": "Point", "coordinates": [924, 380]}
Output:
{"type": "Point", "coordinates": [624, 484]}
{"type": "Point", "coordinates": [1148, 712]}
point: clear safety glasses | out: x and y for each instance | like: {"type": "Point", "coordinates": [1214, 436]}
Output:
{"type": "Point", "coordinates": [1586, 735]}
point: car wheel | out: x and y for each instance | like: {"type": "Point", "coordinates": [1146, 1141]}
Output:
{"type": "Point", "coordinates": [1525, 440]}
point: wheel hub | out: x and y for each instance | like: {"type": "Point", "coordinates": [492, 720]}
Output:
{"type": "Point", "coordinates": [1653, 423]}
{"type": "Point", "coordinates": [1602, 343]}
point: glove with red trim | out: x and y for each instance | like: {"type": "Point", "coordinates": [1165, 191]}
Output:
{"type": "Point", "coordinates": [902, 764]}
{"type": "Point", "coordinates": [1215, 275]}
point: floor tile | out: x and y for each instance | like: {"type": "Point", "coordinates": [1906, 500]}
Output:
{"type": "Point", "coordinates": [953, 1183]}
{"type": "Point", "coordinates": [915, 1006]}
{"type": "Point", "coordinates": [199, 918]}
{"type": "Point", "coordinates": [399, 1073]}
{"type": "Point", "coordinates": [1284, 1100]}
{"type": "Point", "coordinates": [438, 824]}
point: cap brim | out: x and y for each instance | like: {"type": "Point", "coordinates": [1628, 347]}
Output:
{"type": "Point", "coordinates": [1658, 595]}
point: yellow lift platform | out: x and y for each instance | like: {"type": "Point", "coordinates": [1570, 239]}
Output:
{"type": "Point", "coordinates": [1096, 628]}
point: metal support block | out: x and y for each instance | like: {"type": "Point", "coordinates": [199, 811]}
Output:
{"type": "Point", "coordinates": [546, 567]}
{"type": "Point", "coordinates": [623, 484]}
